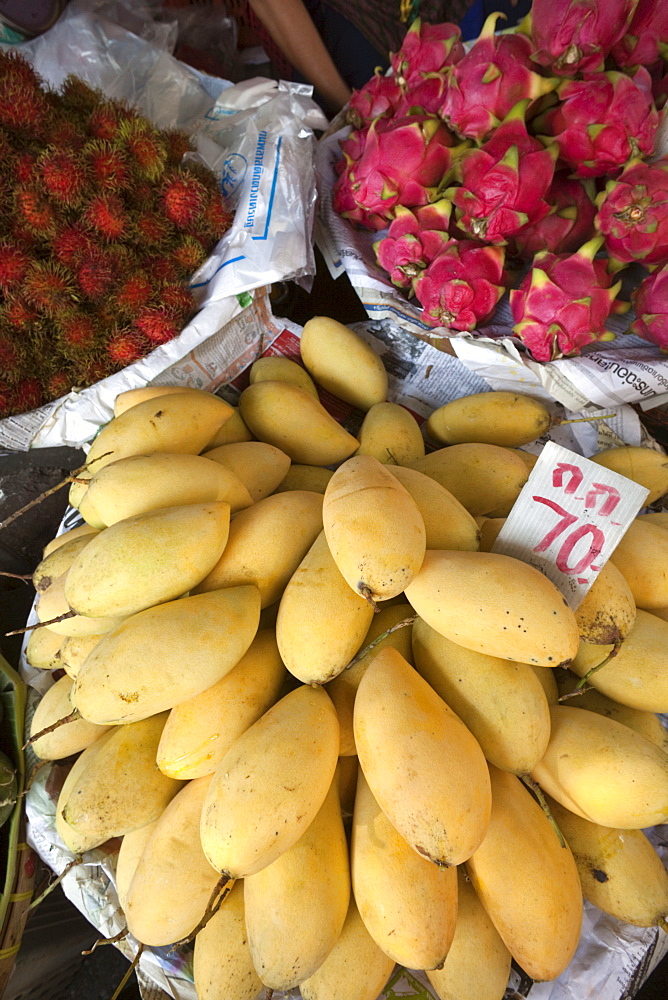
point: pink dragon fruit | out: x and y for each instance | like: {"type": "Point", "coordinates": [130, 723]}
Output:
{"type": "Point", "coordinates": [424, 95]}
{"type": "Point", "coordinates": [603, 120]}
{"type": "Point", "coordinates": [403, 162]}
{"type": "Point", "coordinates": [486, 84]}
{"type": "Point", "coordinates": [504, 183]}
{"type": "Point", "coordinates": [413, 240]}
{"type": "Point", "coordinates": [650, 301]}
{"type": "Point", "coordinates": [660, 91]}
{"type": "Point", "coordinates": [646, 39]}
{"type": "Point", "coordinates": [563, 303]}
{"type": "Point", "coordinates": [633, 214]}
{"type": "Point", "coordinates": [568, 226]}
{"type": "Point", "coordinates": [426, 48]}
{"type": "Point", "coordinates": [379, 96]}
{"type": "Point", "coordinates": [461, 287]}
{"type": "Point", "coordinates": [575, 36]}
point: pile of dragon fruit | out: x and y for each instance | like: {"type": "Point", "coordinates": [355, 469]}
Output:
{"type": "Point", "coordinates": [535, 146]}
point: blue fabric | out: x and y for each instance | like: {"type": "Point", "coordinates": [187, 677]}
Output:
{"type": "Point", "coordinates": [473, 20]}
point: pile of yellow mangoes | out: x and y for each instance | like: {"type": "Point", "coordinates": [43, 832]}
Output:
{"type": "Point", "coordinates": [241, 627]}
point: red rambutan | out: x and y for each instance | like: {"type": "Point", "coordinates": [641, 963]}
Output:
{"type": "Point", "coordinates": [184, 198]}
{"type": "Point", "coordinates": [13, 265]}
{"type": "Point", "coordinates": [77, 96]}
{"type": "Point", "coordinates": [105, 120]}
{"type": "Point", "coordinates": [63, 176]}
{"type": "Point", "coordinates": [65, 134]}
{"type": "Point", "coordinates": [6, 400]}
{"type": "Point", "coordinates": [108, 166]}
{"type": "Point", "coordinates": [70, 244]}
{"type": "Point", "coordinates": [35, 213]}
{"type": "Point", "coordinates": [218, 217]}
{"type": "Point", "coordinates": [189, 253]}
{"type": "Point", "coordinates": [157, 324]}
{"type": "Point", "coordinates": [18, 313]}
{"type": "Point", "coordinates": [14, 66]}
{"type": "Point", "coordinates": [9, 354]}
{"type": "Point", "coordinates": [107, 216]}
{"type": "Point", "coordinates": [77, 331]}
{"type": "Point", "coordinates": [90, 370]}
{"type": "Point", "coordinates": [48, 287]}
{"type": "Point", "coordinates": [149, 155]}
{"type": "Point", "coordinates": [132, 294]}
{"type": "Point", "coordinates": [25, 168]}
{"type": "Point", "coordinates": [160, 269]}
{"type": "Point", "coordinates": [152, 229]}
{"type": "Point", "coordinates": [177, 145]}
{"type": "Point", "coordinates": [23, 104]}
{"type": "Point", "coordinates": [28, 395]}
{"type": "Point", "coordinates": [95, 273]}
{"type": "Point", "coordinates": [126, 347]}
{"type": "Point", "coordinates": [59, 384]}
{"type": "Point", "coordinates": [177, 300]}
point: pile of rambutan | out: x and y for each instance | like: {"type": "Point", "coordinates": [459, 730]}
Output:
{"type": "Point", "coordinates": [102, 225]}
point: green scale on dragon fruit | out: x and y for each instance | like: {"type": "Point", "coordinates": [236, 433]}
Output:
{"type": "Point", "coordinates": [633, 214]}
{"type": "Point", "coordinates": [484, 86]}
{"type": "Point", "coordinates": [503, 185]}
{"type": "Point", "coordinates": [576, 36]}
{"type": "Point", "coordinates": [601, 122]}
{"type": "Point", "coordinates": [650, 301]}
{"type": "Point", "coordinates": [569, 224]}
{"type": "Point", "coordinates": [564, 302]}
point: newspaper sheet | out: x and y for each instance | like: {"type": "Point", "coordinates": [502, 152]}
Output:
{"type": "Point", "coordinates": [613, 959]}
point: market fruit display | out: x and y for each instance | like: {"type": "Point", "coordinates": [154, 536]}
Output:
{"type": "Point", "coordinates": [475, 167]}
{"type": "Point", "coordinates": [329, 704]}
{"type": "Point", "coordinates": [103, 224]}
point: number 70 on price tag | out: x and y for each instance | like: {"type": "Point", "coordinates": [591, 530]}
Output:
{"type": "Point", "coordinates": [569, 518]}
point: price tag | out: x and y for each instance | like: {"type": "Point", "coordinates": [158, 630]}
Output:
{"type": "Point", "coordinates": [569, 518]}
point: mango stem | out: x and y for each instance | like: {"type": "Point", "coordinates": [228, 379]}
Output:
{"type": "Point", "coordinates": [542, 802]}
{"type": "Point", "coordinates": [52, 885]}
{"type": "Point", "coordinates": [583, 420]}
{"type": "Point", "coordinates": [573, 694]}
{"type": "Point", "coordinates": [71, 478]}
{"type": "Point", "coordinates": [383, 635]}
{"type": "Point", "coordinates": [611, 655]}
{"type": "Point", "coordinates": [72, 717]}
{"type": "Point", "coordinates": [221, 891]}
{"type": "Point", "coordinates": [366, 592]}
{"type": "Point", "coordinates": [133, 965]}
{"type": "Point", "coordinates": [110, 940]}
{"type": "Point", "coordinates": [51, 621]}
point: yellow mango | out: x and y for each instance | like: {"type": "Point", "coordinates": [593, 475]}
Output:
{"type": "Point", "coordinates": [660, 519]}
{"type": "Point", "coordinates": [477, 966]}
{"type": "Point", "coordinates": [408, 904]}
{"type": "Point", "coordinates": [259, 466]}
{"type": "Point", "coordinates": [660, 613]}
{"type": "Point", "coordinates": [608, 612]}
{"type": "Point", "coordinates": [291, 419]}
{"type": "Point", "coordinates": [89, 512]}
{"type": "Point", "coordinates": [343, 688]}
{"type": "Point", "coordinates": [52, 603]}
{"type": "Point", "coordinates": [74, 651]}
{"type": "Point", "coordinates": [129, 853]}
{"type": "Point", "coordinates": [481, 476]}
{"type": "Point", "coordinates": [501, 702]}
{"type": "Point", "coordinates": [78, 842]}
{"type": "Point", "coordinates": [527, 881]}
{"type": "Point", "coordinates": [266, 544]}
{"type": "Point", "coordinates": [166, 654]}
{"type": "Point", "coordinates": [373, 527]}
{"type": "Point", "coordinates": [125, 400]}
{"type": "Point", "coordinates": [391, 434]}
{"type": "Point", "coordinates": [67, 536]}
{"type": "Point", "coordinates": [355, 969]}
{"type": "Point", "coordinates": [527, 457]}
{"type": "Point", "coordinates": [496, 605]}
{"type": "Point", "coordinates": [305, 477]}
{"type": "Point", "coordinates": [309, 887]}
{"type": "Point", "coordinates": [222, 964]}
{"type": "Point", "coordinates": [142, 483]}
{"type": "Point", "coordinates": [271, 783]}
{"type": "Point", "coordinates": [348, 770]}
{"type": "Point", "coordinates": [321, 622]}
{"type": "Point", "coordinates": [343, 363]}
{"type": "Point", "coordinates": [447, 524]}
{"type": "Point", "coordinates": [232, 431]}
{"type": "Point", "coordinates": [181, 423]}
{"type": "Point", "coordinates": [147, 559]}
{"type": "Point", "coordinates": [43, 649]}
{"type": "Point", "coordinates": [508, 419]}
{"type": "Point", "coordinates": [548, 682]}
{"type": "Point", "coordinates": [119, 788]}
{"type": "Point", "coordinates": [642, 465]}
{"type": "Point", "coordinates": [604, 771]}
{"type": "Point", "coordinates": [173, 881]}
{"type": "Point", "coordinates": [647, 724]}
{"type": "Point", "coordinates": [489, 532]}
{"type": "Point", "coordinates": [620, 870]}
{"type": "Point", "coordinates": [425, 769]}
{"type": "Point", "coordinates": [58, 562]}
{"type": "Point", "coordinates": [642, 558]}
{"type": "Point", "coordinates": [278, 369]}
{"type": "Point", "coordinates": [637, 675]}
{"type": "Point", "coordinates": [73, 737]}
{"type": "Point", "coordinates": [200, 730]}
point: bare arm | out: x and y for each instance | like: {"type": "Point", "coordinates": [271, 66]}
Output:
{"type": "Point", "coordinates": [290, 25]}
